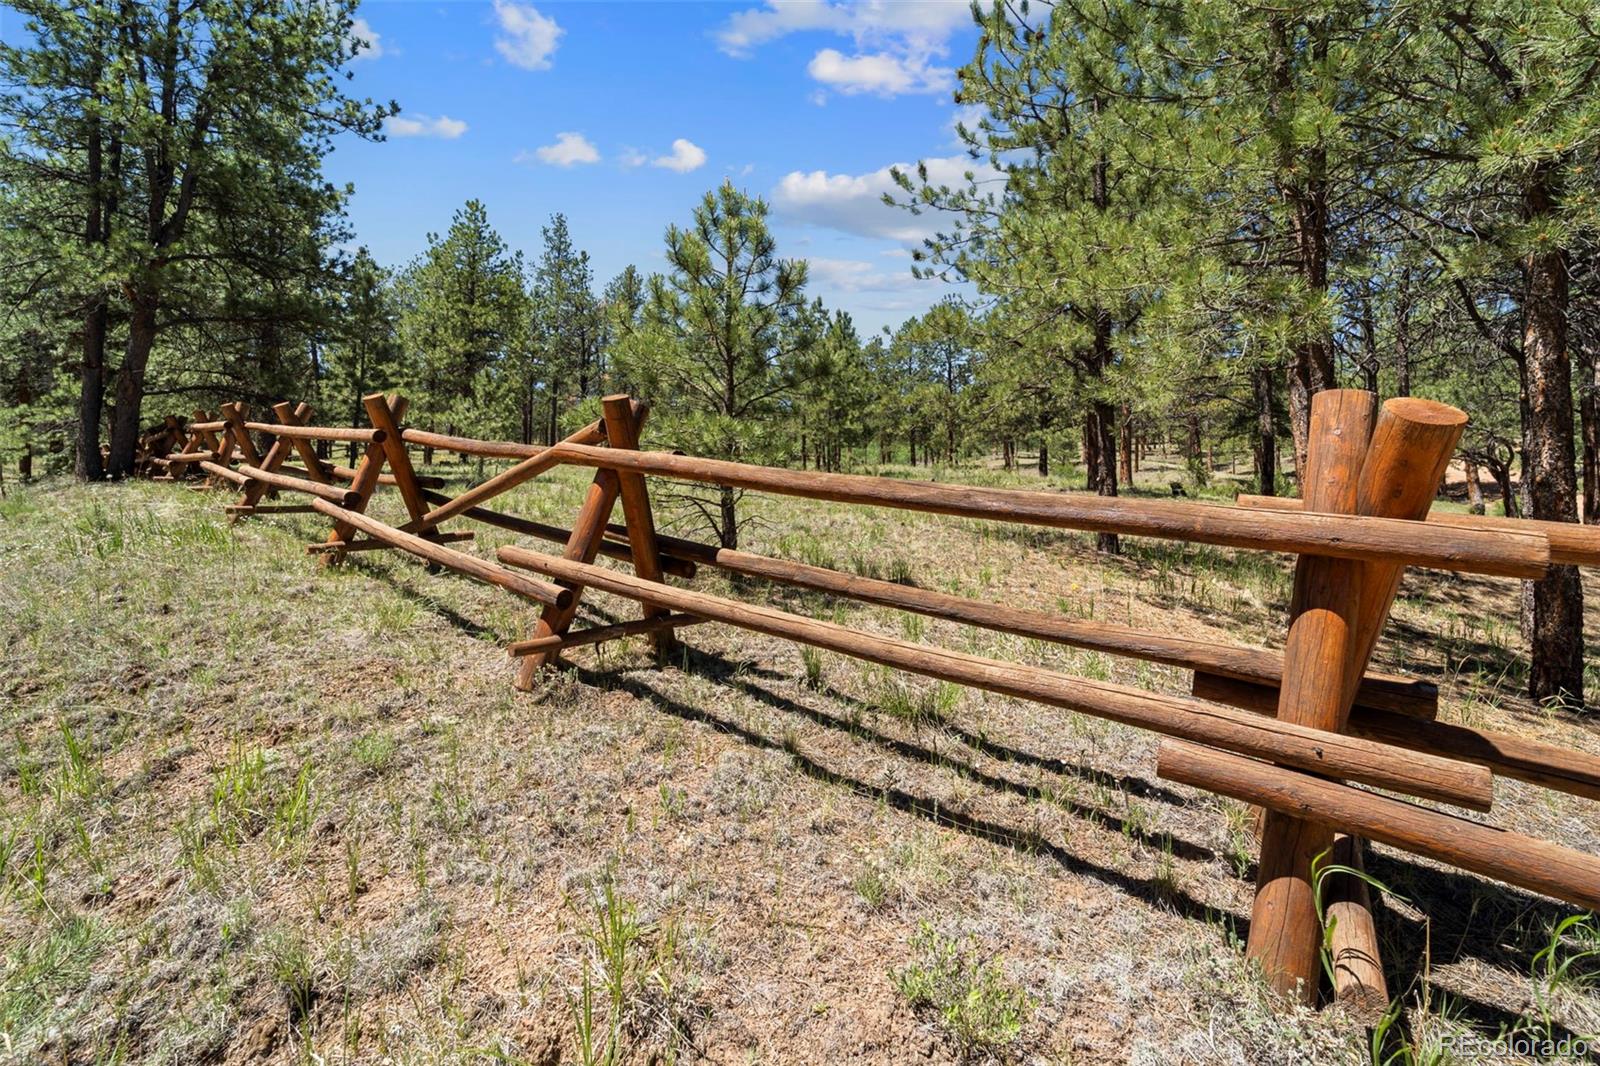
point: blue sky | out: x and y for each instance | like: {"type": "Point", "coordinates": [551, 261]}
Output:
{"type": "Point", "coordinates": [621, 115]}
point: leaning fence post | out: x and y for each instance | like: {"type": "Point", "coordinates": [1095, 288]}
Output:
{"type": "Point", "coordinates": [1322, 639]}
{"type": "Point", "coordinates": [622, 431]}
{"type": "Point", "coordinates": [299, 415]}
{"type": "Point", "coordinates": [588, 533]}
{"type": "Point", "coordinates": [394, 448]}
{"type": "Point", "coordinates": [1410, 446]}
{"type": "Point", "coordinates": [276, 454]}
{"type": "Point", "coordinates": [364, 483]}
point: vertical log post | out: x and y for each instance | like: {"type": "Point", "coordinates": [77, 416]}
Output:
{"type": "Point", "coordinates": [1410, 445]}
{"type": "Point", "coordinates": [1358, 982]}
{"type": "Point", "coordinates": [623, 426]}
{"type": "Point", "coordinates": [405, 478]}
{"type": "Point", "coordinates": [1410, 450]}
{"type": "Point", "coordinates": [364, 483]}
{"type": "Point", "coordinates": [1324, 612]}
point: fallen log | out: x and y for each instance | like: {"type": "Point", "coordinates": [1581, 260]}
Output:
{"type": "Point", "coordinates": [538, 591]}
{"type": "Point", "coordinates": [1562, 873]}
{"type": "Point", "coordinates": [1500, 552]}
{"type": "Point", "coordinates": [1414, 773]}
{"type": "Point", "coordinates": [1535, 761]}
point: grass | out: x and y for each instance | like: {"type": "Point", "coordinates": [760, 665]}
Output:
{"type": "Point", "coordinates": [253, 809]}
{"type": "Point", "coordinates": [971, 997]}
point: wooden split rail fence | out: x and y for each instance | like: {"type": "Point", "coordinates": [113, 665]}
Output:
{"type": "Point", "coordinates": [1297, 732]}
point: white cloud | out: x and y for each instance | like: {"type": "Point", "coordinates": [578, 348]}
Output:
{"type": "Point", "coordinates": [916, 25]}
{"type": "Point", "coordinates": [570, 149]}
{"type": "Point", "coordinates": [857, 275]}
{"type": "Point", "coordinates": [371, 41]}
{"type": "Point", "coordinates": [895, 40]}
{"type": "Point", "coordinates": [854, 203]}
{"type": "Point", "coordinates": [632, 157]}
{"type": "Point", "coordinates": [878, 72]}
{"type": "Point", "coordinates": [528, 39]}
{"type": "Point", "coordinates": [684, 157]}
{"type": "Point", "coordinates": [443, 127]}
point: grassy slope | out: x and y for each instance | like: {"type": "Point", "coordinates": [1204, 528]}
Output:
{"type": "Point", "coordinates": [260, 810]}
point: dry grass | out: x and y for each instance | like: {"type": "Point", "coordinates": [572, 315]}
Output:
{"type": "Point", "coordinates": [261, 810]}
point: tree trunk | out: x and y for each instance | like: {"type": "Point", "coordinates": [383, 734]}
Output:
{"type": "Point", "coordinates": [92, 374]}
{"type": "Point", "coordinates": [1303, 183]}
{"type": "Point", "coordinates": [1474, 487]}
{"type": "Point", "coordinates": [1100, 432]}
{"type": "Point", "coordinates": [729, 533]}
{"type": "Point", "coordinates": [91, 393]}
{"type": "Point", "coordinates": [1265, 441]}
{"type": "Point", "coordinates": [1402, 336]}
{"type": "Point", "coordinates": [1556, 623]}
{"type": "Point", "coordinates": [130, 383]}
{"type": "Point", "coordinates": [1125, 447]}
{"type": "Point", "coordinates": [1589, 412]}
{"type": "Point", "coordinates": [1369, 346]}
{"type": "Point", "coordinates": [1044, 457]}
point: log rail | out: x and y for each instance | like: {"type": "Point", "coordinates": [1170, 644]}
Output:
{"type": "Point", "coordinates": [1304, 733]}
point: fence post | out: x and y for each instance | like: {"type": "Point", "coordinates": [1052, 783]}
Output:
{"type": "Point", "coordinates": [1410, 447]}
{"type": "Point", "coordinates": [588, 533]}
{"type": "Point", "coordinates": [299, 416]}
{"type": "Point", "coordinates": [394, 449]}
{"type": "Point", "coordinates": [622, 431]}
{"type": "Point", "coordinates": [1322, 639]}
{"type": "Point", "coordinates": [366, 480]}
{"type": "Point", "coordinates": [281, 447]}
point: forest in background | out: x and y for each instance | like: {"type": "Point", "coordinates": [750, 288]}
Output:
{"type": "Point", "coordinates": [1180, 222]}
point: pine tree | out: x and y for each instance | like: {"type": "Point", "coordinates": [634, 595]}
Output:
{"type": "Point", "coordinates": [463, 319]}
{"type": "Point", "coordinates": [723, 329]}
{"type": "Point", "coordinates": [364, 353]}
{"type": "Point", "coordinates": [567, 328]}
{"type": "Point", "coordinates": [162, 130]}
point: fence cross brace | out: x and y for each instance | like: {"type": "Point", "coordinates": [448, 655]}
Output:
{"type": "Point", "coordinates": [289, 415]}
{"type": "Point", "coordinates": [624, 423]}
{"type": "Point", "coordinates": [1388, 467]}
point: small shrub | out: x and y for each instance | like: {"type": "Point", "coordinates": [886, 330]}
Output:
{"type": "Point", "coordinates": [811, 659]}
{"type": "Point", "coordinates": [974, 1000]}
{"type": "Point", "coordinates": [374, 752]}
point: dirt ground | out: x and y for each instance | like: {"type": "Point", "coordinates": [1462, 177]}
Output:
{"type": "Point", "coordinates": [262, 810]}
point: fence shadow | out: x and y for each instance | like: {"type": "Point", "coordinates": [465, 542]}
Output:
{"type": "Point", "coordinates": [1153, 891]}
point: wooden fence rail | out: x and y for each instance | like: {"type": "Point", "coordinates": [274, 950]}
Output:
{"type": "Point", "coordinates": [1297, 731]}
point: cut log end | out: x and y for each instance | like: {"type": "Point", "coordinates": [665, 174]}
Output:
{"type": "Point", "coordinates": [1426, 412]}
